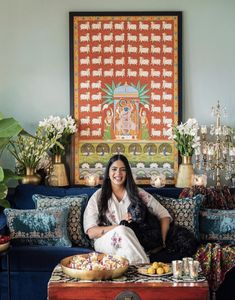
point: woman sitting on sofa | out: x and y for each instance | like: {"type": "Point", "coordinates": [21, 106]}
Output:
{"type": "Point", "coordinates": [125, 220]}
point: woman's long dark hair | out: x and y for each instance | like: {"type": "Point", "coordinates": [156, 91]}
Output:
{"type": "Point", "coordinates": [106, 190]}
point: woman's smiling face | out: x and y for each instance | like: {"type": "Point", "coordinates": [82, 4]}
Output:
{"type": "Point", "coordinates": [117, 173]}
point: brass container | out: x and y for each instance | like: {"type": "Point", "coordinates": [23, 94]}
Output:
{"type": "Point", "coordinates": [31, 177]}
{"type": "Point", "coordinates": [4, 247]}
{"type": "Point", "coordinates": [58, 176]}
{"type": "Point", "coordinates": [184, 178]}
{"type": "Point", "coordinates": [92, 274]}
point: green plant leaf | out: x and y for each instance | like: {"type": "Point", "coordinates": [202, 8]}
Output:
{"type": "Point", "coordinates": [8, 174]}
{"type": "Point", "coordinates": [1, 174]}
{"type": "Point", "coordinates": [3, 190]}
{"type": "Point", "coordinates": [9, 127]}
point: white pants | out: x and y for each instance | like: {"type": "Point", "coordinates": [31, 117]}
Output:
{"type": "Point", "coordinates": [122, 241]}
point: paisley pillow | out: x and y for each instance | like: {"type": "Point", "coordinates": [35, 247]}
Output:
{"type": "Point", "coordinates": [184, 211]}
{"type": "Point", "coordinates": [75, 217]}
{"type": "Point", "coordinates": [38, 227]}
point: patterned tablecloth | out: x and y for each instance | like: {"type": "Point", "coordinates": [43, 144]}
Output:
{"type": "Point", "coordinates": [216, 260]}
{"type": "Point", "coordinates": [131, 275]}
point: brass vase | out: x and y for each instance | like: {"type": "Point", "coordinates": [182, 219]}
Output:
{"type": "Point", "coordinates": [58, 175]}
{"type": "Point", "coordinates": [31, 177]}
{"type": "Point", "coordinates": [184, 178]}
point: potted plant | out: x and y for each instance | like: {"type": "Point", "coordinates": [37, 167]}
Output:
{"type": "Point", "coordinates": [9, 128]}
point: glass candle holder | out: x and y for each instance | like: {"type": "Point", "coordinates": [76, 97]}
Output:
{"type": "Point", "coordinates": [177, 268]}
{"type": "Point", "coordinates": [91, 179]}
{"type": "Point", "coordinates": [186, 261]}
{"type": "Point", "coordinates": [193, 269]}
{"type": "Point", "coordinates": [158, 181]}
{"type": "Point", "coordinates": [199, 180]}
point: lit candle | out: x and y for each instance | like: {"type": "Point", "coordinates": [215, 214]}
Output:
{"type": "Point", "coordinates": [199, 180]}
{"type": "Point", "coordinates": [158, 182]}
{"type": "Point", "coordinates": [91, 179]}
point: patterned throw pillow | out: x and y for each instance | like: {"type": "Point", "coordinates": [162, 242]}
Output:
{"type": "Point", "coordinates": [184, 211]}
{"type": "Point", "coordinates": [217, 226]}
{"type": "Point", "coordinates": [75, 218]}
{"type": "Point", "coordinates": [38, 227]}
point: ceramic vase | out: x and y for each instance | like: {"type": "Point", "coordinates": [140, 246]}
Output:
{"type": "Point", "coordinates": [184, 177]}
{"type": "Point", "coordinates": [31, 177]}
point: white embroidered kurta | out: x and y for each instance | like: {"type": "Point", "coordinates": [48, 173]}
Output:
{"type": "Point", "coordinates": [121, 240]}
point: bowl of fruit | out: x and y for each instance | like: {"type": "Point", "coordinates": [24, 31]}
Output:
{"type": "Point", "coordinates": [4, 242]}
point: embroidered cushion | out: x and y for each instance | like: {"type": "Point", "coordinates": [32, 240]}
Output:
{"type": "Point", "coordinates": [75, 218]}
{"type": "Point", "coordinates": [38, 227]}
{"type": "Point", "coordinates": [217, 225]}
{"type": "Point", "coordinates": [184, 211]}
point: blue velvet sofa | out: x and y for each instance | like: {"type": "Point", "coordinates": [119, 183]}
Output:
{"type": "Point", "coordinates": [31, 266]}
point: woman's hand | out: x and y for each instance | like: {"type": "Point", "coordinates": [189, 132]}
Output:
{"type": "Point", "coordinates": [127, 217]}
{"type": "Point", "coordinates": [98, 231]}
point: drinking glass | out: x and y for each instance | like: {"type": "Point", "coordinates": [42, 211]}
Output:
{"type": "Point", "coordinates": [193, 269]}
{"type": "Point", "coordinates": [177, 267]}
{"type": "Point", "coordinates": [186, 261]}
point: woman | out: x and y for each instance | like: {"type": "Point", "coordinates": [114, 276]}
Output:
{"type": "Point", "coordinates": [108, 207]}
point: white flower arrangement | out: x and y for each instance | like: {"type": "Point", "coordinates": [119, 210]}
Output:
{"type": "Point", "coordinates": [28, 150]}
{"type": "Point", "coordinates": [60, 128]}
{"type": "Point", "coordinates": [186, 137]}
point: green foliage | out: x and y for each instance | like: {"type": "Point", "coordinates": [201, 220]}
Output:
{"type": "Point", "coordinates": [9, 128]}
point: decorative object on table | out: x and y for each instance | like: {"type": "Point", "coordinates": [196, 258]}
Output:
{"type": "Point", "coordinates": [186, 261]}
{"type": "Point", "coordinates": [94, 266]}
{"type": "Point", "coordinates": [194, 269]}
{"type": "Point", "coordinates": [199, 180]}
{"type": "Point", "coordinates": [177, 269]}
{"type": "Point", "coordinates": [28, 150]}
{"type": "Point", "coordinates": [155, 269]}
{"type": "Point", "coordinates": [4, 242]}
{"type": "Point", "coordinates": [62, 130]}
{"type": "Point", "coordinates": [186, 139]}
{"type": "Point", "coordinates": [217, 152]}
{"type": "Point", "coordinates": [9, 128]}
{"type": "Point", "coordinates": [92, 179]}
{"type": "Point", "coordinates": [158, 181]}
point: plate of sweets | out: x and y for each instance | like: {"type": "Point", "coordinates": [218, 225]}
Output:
{"type": "Point", "coordinates": [94, 266]}
{"type": "Point", "coordinates": [155, 269]}
{"type": "Point", "coordinates": [4, 242]}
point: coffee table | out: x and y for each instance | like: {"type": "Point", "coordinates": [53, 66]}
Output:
{"type": "Point", "coordinates": [141, 287]}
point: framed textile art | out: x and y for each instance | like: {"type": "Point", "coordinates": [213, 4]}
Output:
{"type": "Point", "coordinates": [126, 88]}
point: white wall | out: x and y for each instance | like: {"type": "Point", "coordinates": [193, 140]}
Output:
{"type": "Point", "coordinates": [34, 55]}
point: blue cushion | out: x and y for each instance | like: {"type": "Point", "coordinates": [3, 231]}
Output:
{"type": "Point", "coordinates": [38, 227]}
{"type": "Point", "coordinates": [23, 194]}
{"type": "Point", "coordinates": [185, 211]}
{"type": "Point", "coordinates": [75, 218]}
{"type": "Point", "coordinates": [217, 225]}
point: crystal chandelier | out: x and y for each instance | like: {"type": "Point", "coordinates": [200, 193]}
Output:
{"type": "Point", "coordinates": [217, 152]}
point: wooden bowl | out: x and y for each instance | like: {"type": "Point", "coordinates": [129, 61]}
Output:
{"type": "Point", "coordinates": [94, 274]}
{"type": "Point", "coordinates": [4, 247]}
